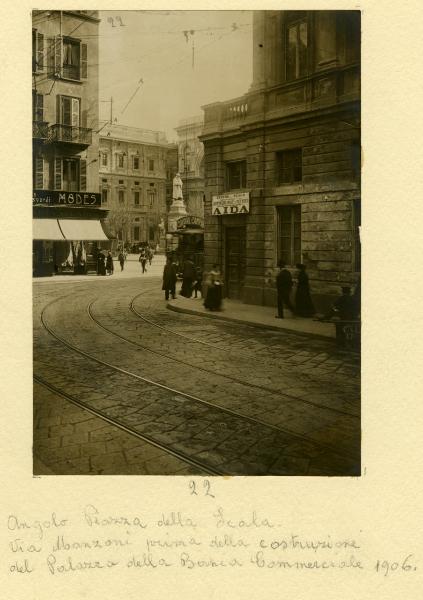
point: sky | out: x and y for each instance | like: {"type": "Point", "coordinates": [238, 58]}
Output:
{"type": "Point", "coordinates": [151, 46]}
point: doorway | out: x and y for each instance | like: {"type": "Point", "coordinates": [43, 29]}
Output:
{"type": "Point", "coordinates": [235, 251]}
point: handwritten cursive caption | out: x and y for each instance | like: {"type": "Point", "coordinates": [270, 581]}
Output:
{"type": "Point", "coordinates": [211, 539]}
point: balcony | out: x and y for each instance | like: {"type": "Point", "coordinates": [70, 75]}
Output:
{"type": "Point", "coordinates": [67, 134]}
{"type": "Point", "coordinates": [40, 130]}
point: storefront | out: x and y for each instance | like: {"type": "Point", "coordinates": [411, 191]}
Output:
{"type": "Point", "coordinates": [190, 235]}
{"type": "Point", "coordinates": [67, 232]}
{"type": "Point", "coordinates": [232, 209]}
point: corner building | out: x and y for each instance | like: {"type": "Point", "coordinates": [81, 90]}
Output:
{"type": "Point", "coordinates": [290, 149]}
{"type": "Point", "coordinates": [67, 213]}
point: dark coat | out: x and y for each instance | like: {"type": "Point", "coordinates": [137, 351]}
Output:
{"type": "Point", "coordinates": [169, 277]}
{"type": "Point", "coordinates": [303, 302]}
{"type": "Point", "coordinates": [189, 270]}
{"type": "Point", "coordinates": [109, 263]}
{"type": "Point", "coordinates": [283, 280]}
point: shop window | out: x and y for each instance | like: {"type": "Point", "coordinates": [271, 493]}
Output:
{"type": "Point", "coordinates": [296, 50]}
{"type": "Point", "coordinates": [136, 163]}
{"type": "Point", "coordinates": [289, 165]}
{"type": "Point", "coordinates": [136, 198]}
{"type": "Point", "coordinates": [151, 165]}
{"type": "Point", "coordinates": [37, 51]}
{"type": "Point", "coordinates": [236, 175]}
{"type": "Point", "coordinates": [289, 234]}
{"type": "Point", "coordinates": [356, 224]}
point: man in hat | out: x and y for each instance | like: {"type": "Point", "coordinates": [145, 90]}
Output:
{"type": "Point", "coordinates": [284, 287]}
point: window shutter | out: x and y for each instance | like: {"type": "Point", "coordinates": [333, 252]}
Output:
{"type": "Point", "coordinates": [57, 173]}
{"type": "Point", "coordinates": [75, 112]}
{"type": "Point", "coordinates": [84, 118]}
{"type": "Point", "coordinates": [83, 175]}
{"type": "Point", "coordinates": [58, 56]}
{"type": "Point", "coordinates": [39, 173]}
{"type": "Point", "coordinates": [39, 107]}
{"type": "Point", "coordinates": [40, 52]}
{"type": "Point", "coordinates": [84, 61]}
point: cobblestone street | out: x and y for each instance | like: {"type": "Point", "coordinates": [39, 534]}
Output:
{"type": "Point", "coordinates": [125, 386]}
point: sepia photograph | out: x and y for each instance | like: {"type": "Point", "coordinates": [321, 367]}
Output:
{"type": "Point", "coordinates": [196, 252]}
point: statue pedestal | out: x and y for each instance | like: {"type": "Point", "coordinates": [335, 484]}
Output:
{"type": "Point", "coordinates": [177, 210]}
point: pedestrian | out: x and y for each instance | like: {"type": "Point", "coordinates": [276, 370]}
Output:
{"type": "Point", "coordinates": [188, 277]}
{"type": "Point", "coordinates": [213, 298]}
{"type": "Point", "coordinates": [198, 285]}
{"type": "Point", "coordinates": [303, 302]}
{"type": "Point", "coordinates": [150, 254]}
{"type": "Point", "coordinates": [109, 263]}
{"type": "Point", "coordinates": [169, 278]}
{"type": "Point", "coordinates": [284, 286]}
{"type": "Point", "coordinates": [121, 259]}
{"type": "Point", "coordinates": [143, 260]}
{"type": "Point", "coordinates": [101, 263]}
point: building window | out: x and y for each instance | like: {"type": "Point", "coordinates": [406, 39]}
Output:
{"type": "Point", "coordinates": [136, 182]}
{"type": "Point", "coordinates": [70, 175]}
{"type": "Point", "coordinates": [104, 180]}
{"type": "Point", "coordinates": [151, 165]}
{"type": "Point", "coordinates": [121, 182]}
{"type": "Point", "coordinates": [104, 159]}
{"type": "Point", "coordinates": [121, 196]}
{"type": "Point", "coordinates": [37, 107]}
{"type": "Point", "coordinates": [37, 51]}
{"type": "Point", "coordinates": [71, 61]}
{"type": "Point", "coordinates": [120, 161]}
{"type": "Point", "coordinates": [356, 224]}
{"type": "Point", "coordinates": [289, 166]}
{"type": "Point", "coordinates": [236, 175]}
{"type": "Point", "coordinates": [104, 196]}
{"type": "Point", "coordinates": [136, 198]}
{"type": "Point", "coordinates": [151, 196]}
{"type": "Point", "coordinates": [136, 163]}
{"type": "Point", "coordinates": [70, 110]}
{"type": "Point", "coordinates": [136, 233]}
{"type": "Point", "coordinates": [289, 234]}
{"type": "Point", "coordinates": [296, 50]}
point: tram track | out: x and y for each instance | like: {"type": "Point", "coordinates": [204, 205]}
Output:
{"type": "Point", "coordinates": [207, 469]}
{"type": "Point", "coordinates": [267, 390]}
{"type": "Point", "coordinates": [173, 391]}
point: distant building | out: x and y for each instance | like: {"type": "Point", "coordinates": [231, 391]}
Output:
{"type": "Point", "coordinates": [191, 164]}
{"type": "Point", "coordinates": [67, 209]}
{"type": "Point", "coordinates": [282, 162]}
{"type": "Point", "coordinates": [133, 174]}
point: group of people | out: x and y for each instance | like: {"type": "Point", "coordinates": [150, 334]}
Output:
{"type": "Point", "coordinates": [146, 254]}
{"type": "Point", "coordinates": [192, 283]}
{"type": "Point", "coordinates": [284, 283]}
{"type": "Point", "coordinates": [104, 263]}
{"type": "Point", "coordinates": [345, 308]}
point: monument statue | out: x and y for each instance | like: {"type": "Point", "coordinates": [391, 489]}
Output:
{"type": "Point", "coordinates": [177, 187]}
{"type": "Point", "coordinates": [161, 226]}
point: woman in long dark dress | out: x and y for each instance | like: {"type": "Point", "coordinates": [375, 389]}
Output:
{"type": "Point", "coordinates": [213, 298]}
{"type": "Point", "coordinates": [303, 303]}
{"type": "Point", "coordinates": [101, 264]}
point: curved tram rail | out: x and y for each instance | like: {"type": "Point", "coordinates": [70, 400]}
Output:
{"type": "Point", "coordinates": [147, 438]}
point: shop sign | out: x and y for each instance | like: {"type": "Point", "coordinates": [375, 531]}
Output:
{"type": "Point", "coordinates": [59, 198]}
{"type": "Point", "coordinates": [189, 220]}
{"type": "Point", "coordinates": [233, 203]}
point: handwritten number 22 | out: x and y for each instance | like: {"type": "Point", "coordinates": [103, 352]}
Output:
{"type": "Point", "coordinates": [206, 486]}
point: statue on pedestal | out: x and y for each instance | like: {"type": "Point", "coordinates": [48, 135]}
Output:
{"type": "Point", "coordinates": [177, 188]}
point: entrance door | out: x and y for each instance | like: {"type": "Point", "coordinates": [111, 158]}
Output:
{"type": "Point", "coordinates": [235, 261]}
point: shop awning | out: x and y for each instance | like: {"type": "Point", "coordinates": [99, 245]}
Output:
{"type": "Point", "coordinates": [75, 229]}
{"type": "Point", "coordinates": [46, 229]}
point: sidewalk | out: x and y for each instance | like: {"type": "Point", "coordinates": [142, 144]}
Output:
{"type": "Point", "coordinates": [251, 314]}
{"type": "Point", "coordinates": [132, 269]}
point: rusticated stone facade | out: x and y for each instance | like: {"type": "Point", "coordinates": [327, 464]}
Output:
{"type": "Point", "coordinates": [292, 142]}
